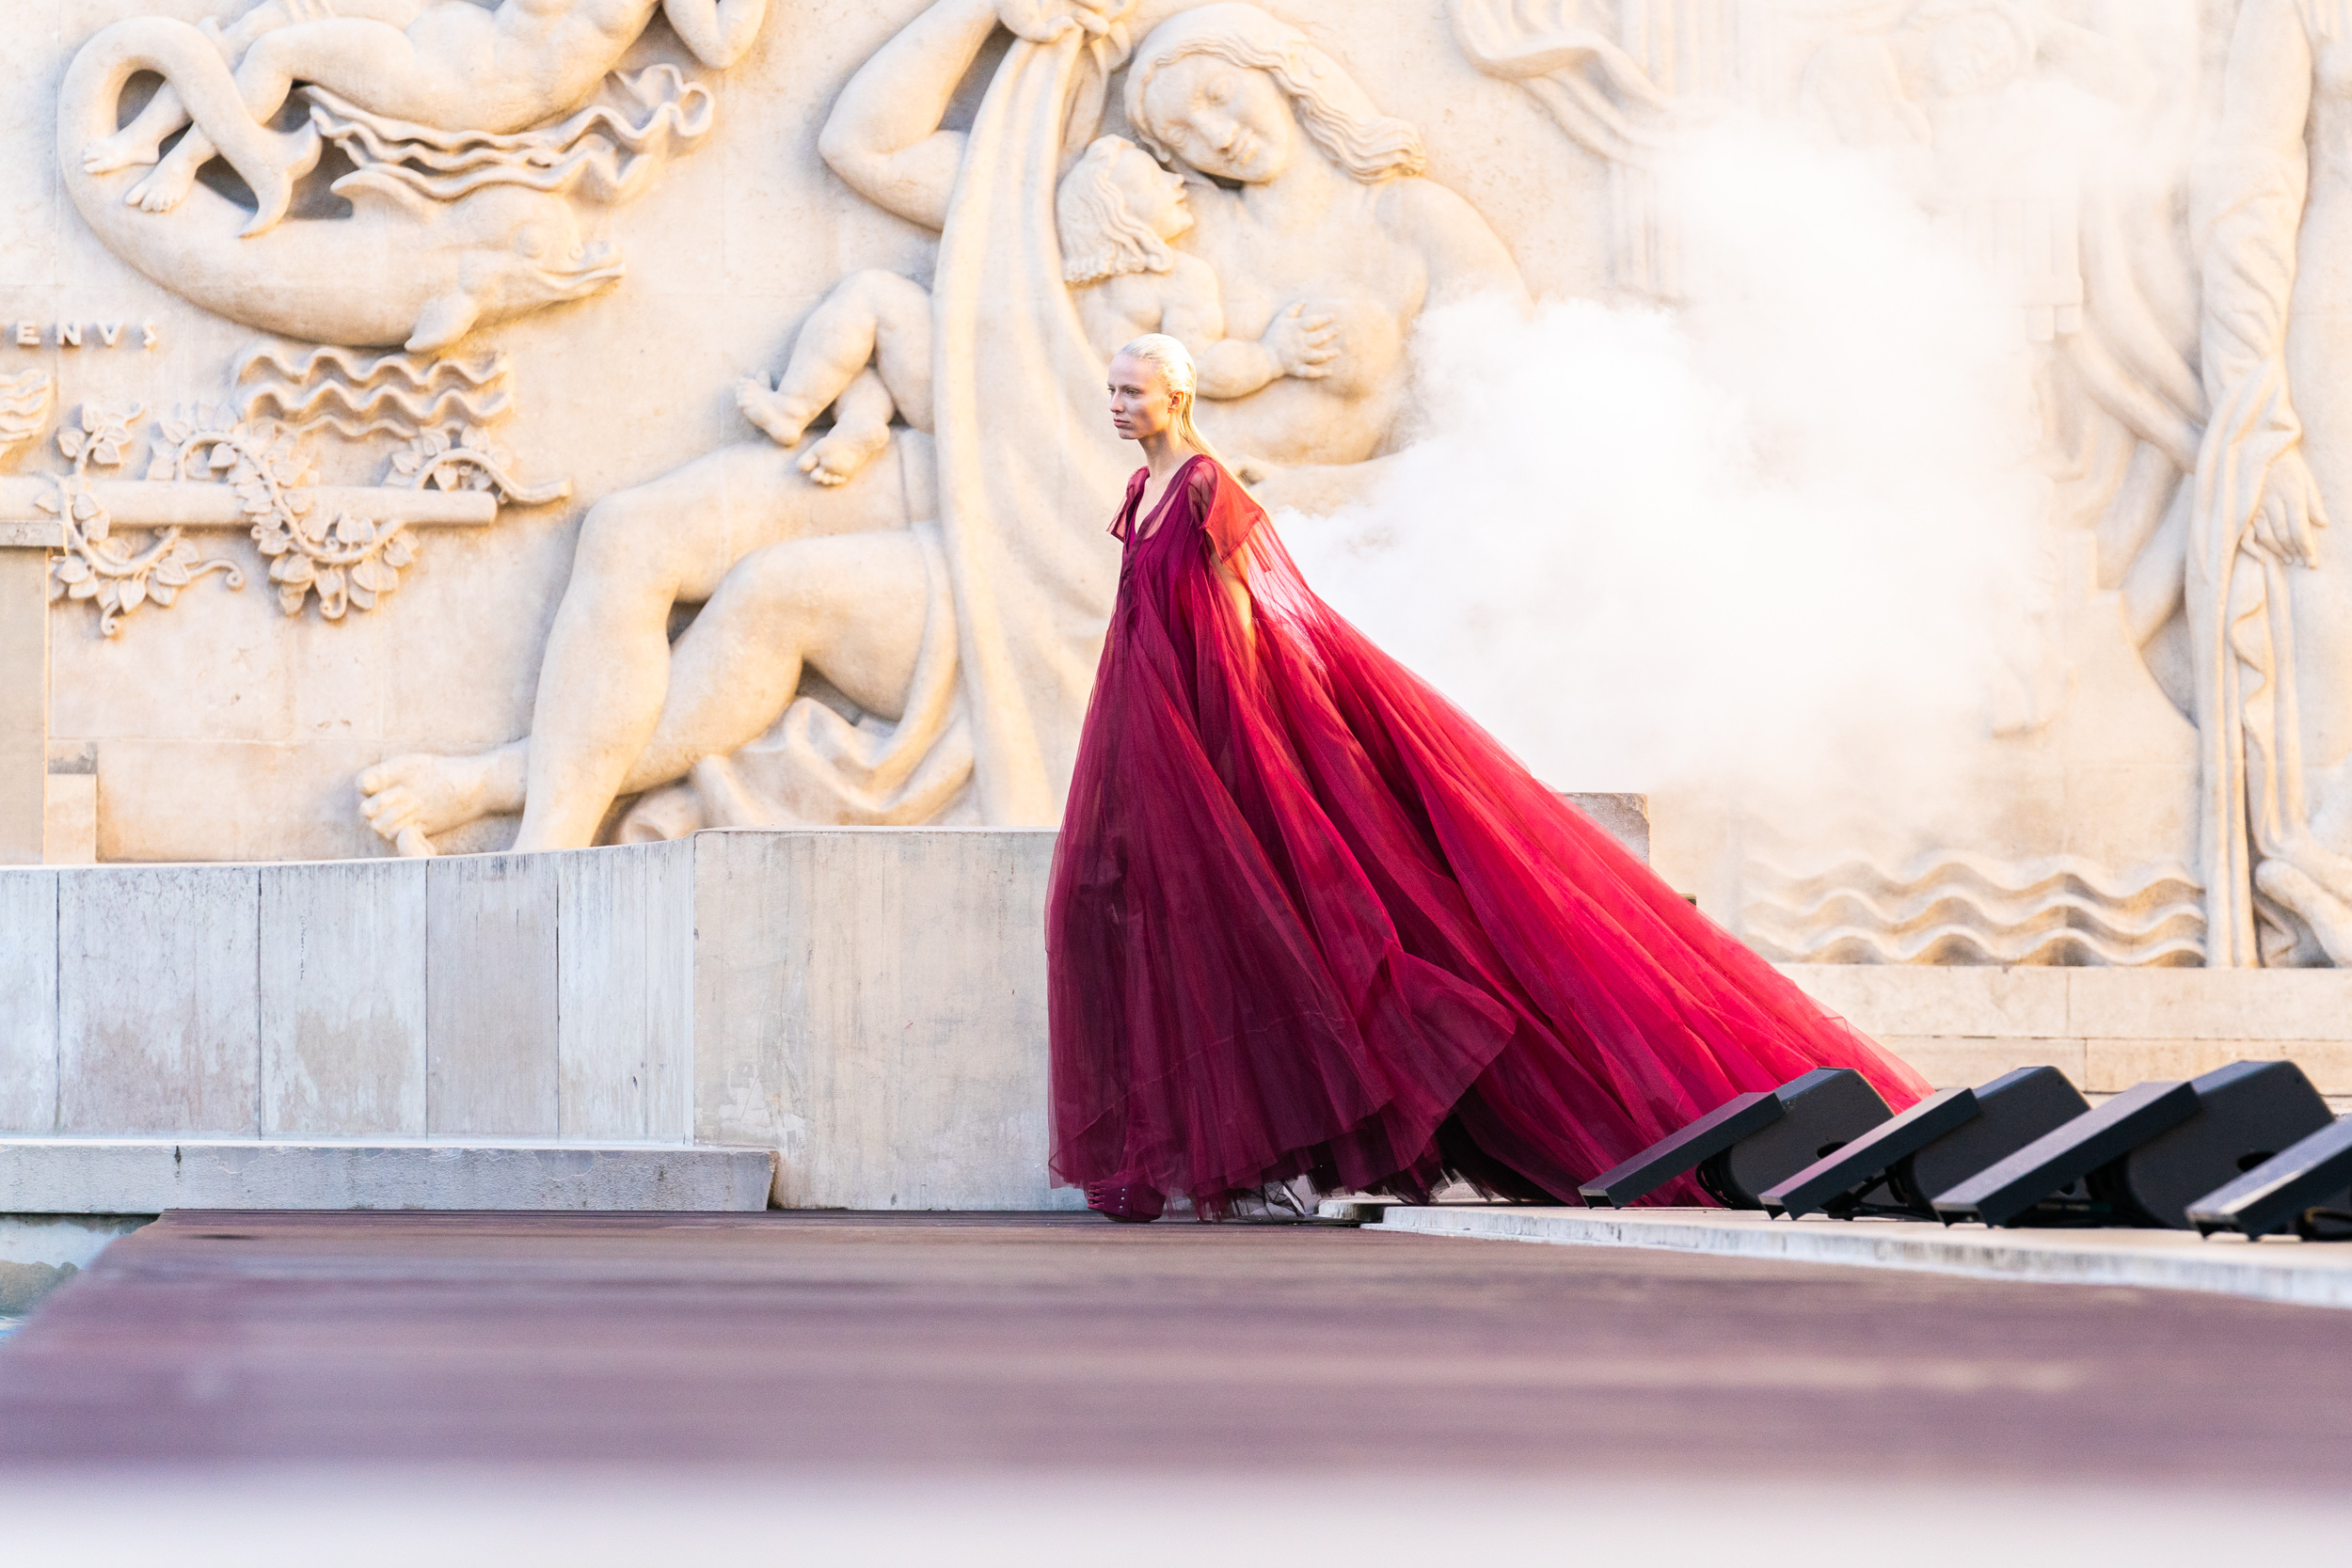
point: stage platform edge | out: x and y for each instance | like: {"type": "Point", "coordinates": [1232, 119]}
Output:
{"type": "Point", "coordinates": [2279, 1269]}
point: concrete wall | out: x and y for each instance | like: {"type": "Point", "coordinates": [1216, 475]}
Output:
{"type": "Point", "coordinates": [868, 1001]}
{"type": "Point", "coordinates": [532, 996]}
{"type": "Point", "coordinates": [872, 1003]}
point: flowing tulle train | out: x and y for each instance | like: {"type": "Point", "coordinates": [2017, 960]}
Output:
{"type": "Point", "coordinates": [1308, 919]}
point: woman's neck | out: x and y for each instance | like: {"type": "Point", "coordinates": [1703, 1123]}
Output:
{"type": "Point", "coordinates": [1163, 454]}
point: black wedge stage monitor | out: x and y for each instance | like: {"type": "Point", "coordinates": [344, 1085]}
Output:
{"type": "Point", "coordinates": [1750, 1142]}
{"type": "Point", "coordinates": [2314, 1172]}
{"type": "Point", "coordinates": [1837, 1184]}
{"type": "Point", "coordinates": [2146, 1155]}
{"type": "Point", "coordinates": [1679, 1153]}
{"type": "Point", "coordinates": [2009, 1190]}
{"type": "Point", "coordinates": [2247, 1113]}
{"type": "Point", "coordinates": [1893, 1168]}
{"type": "Point", "coordinates": [1827, 1109]}
{"type": "Point", "coordinates": [2015, 1109]}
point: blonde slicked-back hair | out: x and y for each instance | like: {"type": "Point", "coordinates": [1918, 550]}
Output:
{"type": "Point", "coordinates": [1101, 235]}
{"type": "Point", "coordinates": [1174, 363]}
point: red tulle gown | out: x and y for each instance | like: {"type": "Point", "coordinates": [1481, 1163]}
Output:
{"type": "Point", "coordinates": [1308, 919]}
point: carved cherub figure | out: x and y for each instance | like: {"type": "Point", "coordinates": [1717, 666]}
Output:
{"type": "Point", "coordinates": [866, 351]}
{"type": "Point", "coordinates": [444, 63]}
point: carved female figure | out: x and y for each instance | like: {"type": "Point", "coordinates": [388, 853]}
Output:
{"type": "Point", "coordinates": [1294, 166]}
{"type": "Point", "coordinates": [2270, 624]}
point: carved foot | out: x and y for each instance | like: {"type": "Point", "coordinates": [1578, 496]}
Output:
{"type": "Point", "coordinates": [2328, 916]}
{"type": "Point", "coordinates": [843, 455]}
{"type": "Point", "coordinates": [122, 150]}
{"type": "Point", "coordinates": [407, 800]}
{"type": "Point", "coordinates": [165, 189]}
{"type": "Point", "coordinates": [778, 417]}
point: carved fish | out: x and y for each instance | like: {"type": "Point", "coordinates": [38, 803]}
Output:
{"type": "Point", "coordinates": [401, 271]}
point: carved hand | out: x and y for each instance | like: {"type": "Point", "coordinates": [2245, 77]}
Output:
{"type": "Point", "coordinates": [1302, 344]}
{"type": "Point", "coordinates": [2290, 512]}
{"type": "Point", "coordinates": [1044, 20]}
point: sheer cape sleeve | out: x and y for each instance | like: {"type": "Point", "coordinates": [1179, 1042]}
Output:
{"type": "Point", "coordinates": [1227, 514]}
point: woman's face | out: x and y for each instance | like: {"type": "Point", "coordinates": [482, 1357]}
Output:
{"type": "Point", "coordinates": [1225, 120]}
{"type": "Point", "coordinates": [1155, 195]}
{"type": "Point", "coordinates": [1140, 407]}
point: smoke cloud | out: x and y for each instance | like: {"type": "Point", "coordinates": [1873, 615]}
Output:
{"type": "Point", "coordinates": [1781, 542]}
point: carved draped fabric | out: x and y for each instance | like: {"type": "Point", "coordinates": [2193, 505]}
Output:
{"type": "Point", "coordinates": [2251, 202]}
{"type": "Point", "coordinates": [1020, 580]}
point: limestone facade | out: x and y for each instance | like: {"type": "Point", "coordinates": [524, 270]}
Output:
{"type": "Point", "coordinates": [434, 426]}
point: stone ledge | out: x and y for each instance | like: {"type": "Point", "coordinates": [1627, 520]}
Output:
{"type": "Point", "coordinates": [2302, 1273]}
{"type": "Point", "coordinates": [2024, 1001]}
{"type": "Point", "coordinates": [147, 1175]}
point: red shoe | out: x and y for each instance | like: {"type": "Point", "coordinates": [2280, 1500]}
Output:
{"type": "Point", "coordinates": [1125, 1198]}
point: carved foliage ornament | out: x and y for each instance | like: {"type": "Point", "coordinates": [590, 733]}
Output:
{"type": "Point", "coordinates": [339, 554]}
{"type": "Point", "coordinates": [95, 565]}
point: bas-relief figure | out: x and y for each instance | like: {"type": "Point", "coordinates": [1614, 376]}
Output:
{"type": "Point", "coordinates": [2210, 537]}
{"type": "Point", "coordinates": [463, 207]}
{"type": "Point", "coordinates": [2268, 609]}
{"type": "Point", "coordinates": [2025, 133]}
{"type": "Point", "coordinates": [448, 66]}
{"type": "Point", "coordinates": [883, 608]}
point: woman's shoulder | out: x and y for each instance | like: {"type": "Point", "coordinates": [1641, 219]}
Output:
{"type": "Point", "coordinates": [1221, 507]}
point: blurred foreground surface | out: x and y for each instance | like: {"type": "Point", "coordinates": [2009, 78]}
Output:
{"type": "Point", "coordinates": [853, 1389]}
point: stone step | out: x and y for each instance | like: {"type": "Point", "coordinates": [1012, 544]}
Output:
{"type": "Point", "coordinates": [147, 1175]}
{"type": "Point", "coordinates": [2312, 1273]}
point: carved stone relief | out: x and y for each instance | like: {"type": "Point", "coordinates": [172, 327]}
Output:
{"type": "Point", "coordinates": [472, 139]}
{"type": "Point", "coordinates": [811, 309]}
{"type": "Point", "coordinates": [962, 701]}
{"type": "Point", "coordinates": [339, 545]}
{"type": "Point", "coordinates": [2026, 132]}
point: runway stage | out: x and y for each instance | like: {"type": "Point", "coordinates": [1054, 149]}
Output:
{"type": "Point", "coordinates": [979, 1344]}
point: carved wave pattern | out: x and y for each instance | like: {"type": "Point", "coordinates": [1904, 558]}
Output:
{"type": "Point", "coordinates": [1955, 907]}
{"type": "Point", "coordinates": [357, 394]}
{"type": "Point", "coordinates": [608, 152]}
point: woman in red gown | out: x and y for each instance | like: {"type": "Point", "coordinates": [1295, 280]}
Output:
{"type": "Point", "coordinates": [1308, 920]}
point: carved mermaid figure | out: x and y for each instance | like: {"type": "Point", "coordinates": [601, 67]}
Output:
{"type": "Point", "coordinates": [450, 65]}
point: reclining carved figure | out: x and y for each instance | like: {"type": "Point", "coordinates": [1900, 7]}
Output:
{"type": "Point", "coordinates": [450, 65]}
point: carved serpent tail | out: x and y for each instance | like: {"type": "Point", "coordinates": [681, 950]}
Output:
{"type": "Point", "coordinates": [268, 161]}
